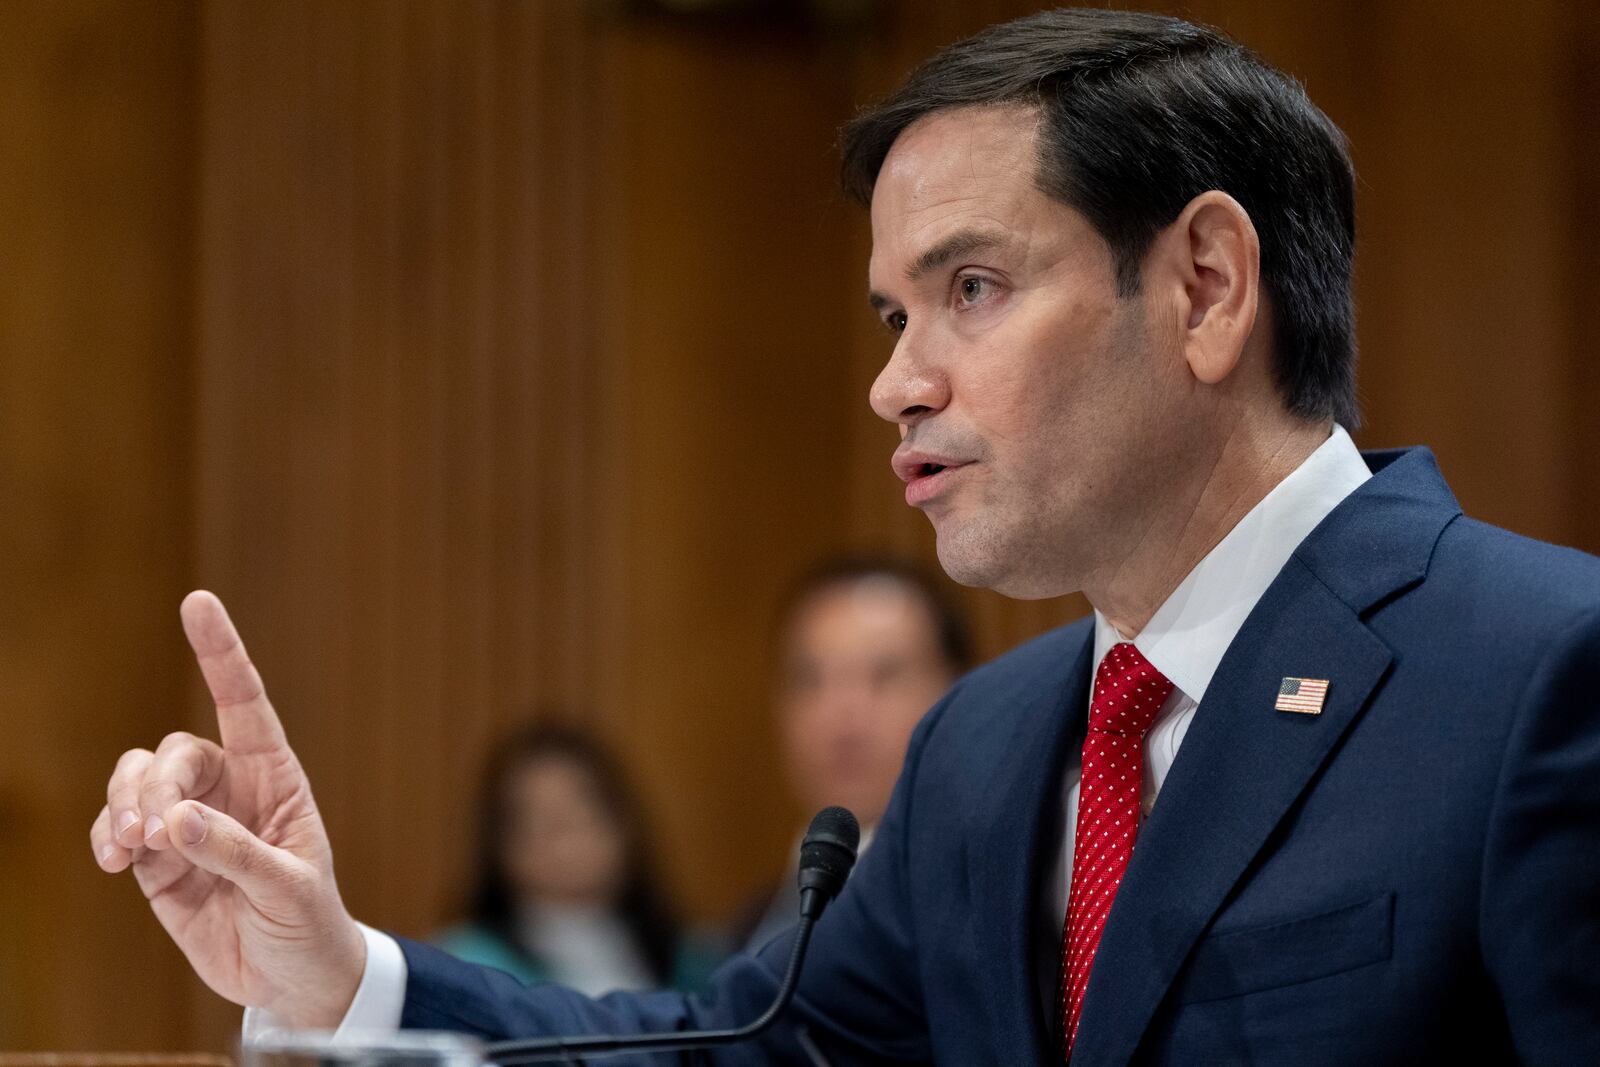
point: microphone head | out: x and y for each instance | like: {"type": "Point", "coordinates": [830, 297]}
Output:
{"type": "Point", "coordinates": [826, 856]}
{"type": "Point", "coordinates": [836, 824]}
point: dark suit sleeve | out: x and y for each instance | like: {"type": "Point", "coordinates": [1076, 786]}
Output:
{"type": "Point", "coordinates": [860, 997]}
{"type": "Point", "coordinates": [1541, 873]}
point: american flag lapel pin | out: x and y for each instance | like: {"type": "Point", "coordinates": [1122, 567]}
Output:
{"type": "Point", "coordinates": [1303, 696]}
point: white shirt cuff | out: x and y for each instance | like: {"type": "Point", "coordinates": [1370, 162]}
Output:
{"type": "Point", "coordinates": [379, 1000]}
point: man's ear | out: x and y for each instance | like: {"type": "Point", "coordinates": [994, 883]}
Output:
{"type": "Point", "coordinates": [1209, 258]}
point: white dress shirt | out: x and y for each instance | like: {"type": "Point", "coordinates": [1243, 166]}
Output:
{"type": "Point", "coordinates": [1185, 640]}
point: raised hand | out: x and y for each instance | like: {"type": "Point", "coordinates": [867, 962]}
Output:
{"type": "Point", "coordinates": [227, 845]}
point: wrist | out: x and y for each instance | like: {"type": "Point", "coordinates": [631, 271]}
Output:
{"type": "Point", "coordinates": [325, 999]}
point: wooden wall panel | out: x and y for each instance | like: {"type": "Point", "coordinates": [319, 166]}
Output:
{"type": "Point", "coordinates": [96, 105]}
{"type": "Point", "coordinates": [725, 294]}
{"type": "Point", "coordinates": [424, 515]}
{"type": "Point", "coordinates": [397, 479]}
{"type": "Point", "coordinates": [1464, 265]}
{"type": "Point", "coordinates": [1578, 75]}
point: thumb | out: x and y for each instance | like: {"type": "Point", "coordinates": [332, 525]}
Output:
{"type": "Point", "coordinates": [218, 843]}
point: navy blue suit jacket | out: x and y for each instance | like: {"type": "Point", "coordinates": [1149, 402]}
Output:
{"type": "Point", "coordinates": [1412, 875]}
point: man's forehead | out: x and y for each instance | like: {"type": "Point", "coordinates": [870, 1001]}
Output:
{"type": "Point", "coordinates": [954, 152]}
{"type": "Point", "coordinates": [962, 169]}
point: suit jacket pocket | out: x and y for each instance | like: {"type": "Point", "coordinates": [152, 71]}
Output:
{"type": "Point", "coordinates": [1233, 962]}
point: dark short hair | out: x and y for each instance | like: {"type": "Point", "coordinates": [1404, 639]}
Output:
{"type": "Point", "coordinates": [951, 631]}
{"type": "Point", "coordinates": [1139, 115]}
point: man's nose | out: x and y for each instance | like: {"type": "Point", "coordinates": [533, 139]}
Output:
{"type": "Point", "coordinates": [910, 387]}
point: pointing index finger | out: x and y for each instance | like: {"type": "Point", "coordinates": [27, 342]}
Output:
{"type": "Point", "coordinates": [244, 714]}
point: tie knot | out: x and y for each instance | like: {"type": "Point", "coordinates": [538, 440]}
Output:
{"type": "Point", "coordinates": [1128, 692]}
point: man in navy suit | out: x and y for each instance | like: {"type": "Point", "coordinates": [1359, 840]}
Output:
{"type": "Point", "coordinates": [1114, 252]}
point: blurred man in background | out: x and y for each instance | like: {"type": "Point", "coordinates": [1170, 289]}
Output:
{"type": "Point", "coordinates": [868, 646]}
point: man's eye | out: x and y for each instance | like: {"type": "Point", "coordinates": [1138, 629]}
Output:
{"type": "Point", "coordinates": [973, 289]}
{"type": "Point", "coordinates": [896, 322]}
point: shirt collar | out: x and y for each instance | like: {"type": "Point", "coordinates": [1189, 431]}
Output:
{"type": "Point", "coordinates": [1187, 636]}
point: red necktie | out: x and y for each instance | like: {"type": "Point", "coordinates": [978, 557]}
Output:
{"type": "Point", "coordinates": [1128, 694]}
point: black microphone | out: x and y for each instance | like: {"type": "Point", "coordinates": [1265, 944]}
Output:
{"type": "Point", "coordinates": [826, 856]}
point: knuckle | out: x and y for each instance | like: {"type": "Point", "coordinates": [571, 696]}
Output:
{"type": "Point", "coordinates": [237, 853]}
{"type": "Point", "coordinates": [175, 742]}
{"type": "Point", "coordinates": [126, 780]}
{"type": "Point", "coordinates": [158, 793]}
{"type": "Point", "coordinates": [132, 759]}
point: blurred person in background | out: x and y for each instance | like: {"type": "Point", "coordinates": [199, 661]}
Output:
{"type": "Point", "coordinates": [867, 646]}
{"type": "Point", "coordinates": [564, 888]}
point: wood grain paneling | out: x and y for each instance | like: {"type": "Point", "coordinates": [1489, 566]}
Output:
{"type": "Point", "coordinates": [399, 433]}
{"type": "Point", "coordinates": [1464, 264]}
{"type": "Point", "coordinates": [96, 195]}
{"type": "Point", "coordinates": [1578, 76]}
{"type": "Point", "coordinates": [455, 463]}
{"type": "Point", "coordinates": [725, 301]}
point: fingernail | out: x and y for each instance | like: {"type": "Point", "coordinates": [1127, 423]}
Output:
{"type": "Point", "coordinates": [106, 853]}
{"type": "Point", "coordinates": [193, 827]}
{"type": "Point", "coordinates": [125, 820]}
{"type": "Point", "coordinates": [153, 825]}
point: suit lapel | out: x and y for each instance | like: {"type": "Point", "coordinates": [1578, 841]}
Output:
{"type": "Point", "coordinates": [1012, 845]}
{"type": "Point", "coordinates": [1243, 764]}
{"type": "Point", "coordinates": [1241, 768]}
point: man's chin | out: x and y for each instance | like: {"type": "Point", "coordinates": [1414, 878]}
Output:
{"type": "Point", "coordinates": [985, 563]}
{"type": "Point", "coordinates": [966, 562]}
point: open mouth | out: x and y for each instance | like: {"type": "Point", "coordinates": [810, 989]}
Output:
{"type": "Point", "coordinates": [927, 481]}
{"type": "Point", "coordinates": [924, 474]}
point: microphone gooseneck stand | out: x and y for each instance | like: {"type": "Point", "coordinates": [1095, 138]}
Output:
{"type": "Point", "coordinates": [826, 857]}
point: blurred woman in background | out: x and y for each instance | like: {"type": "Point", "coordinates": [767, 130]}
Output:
{"type": "Point", "coordinates": [564, 889]}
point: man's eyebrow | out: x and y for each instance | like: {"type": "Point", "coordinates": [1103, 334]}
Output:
{"type": "Point", "coordinates": [960, 243]}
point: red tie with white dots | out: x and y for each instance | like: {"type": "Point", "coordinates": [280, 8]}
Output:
{"type": "Point", "coordinates": [1128, 694]}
